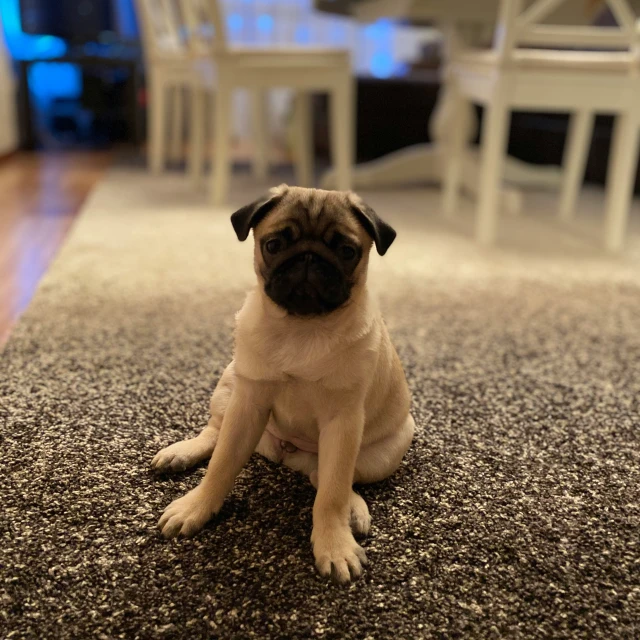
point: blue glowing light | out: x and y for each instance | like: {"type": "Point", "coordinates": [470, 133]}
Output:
{"type": "Point", "coordinates": [235, 22]}
{"type": "Point", "coordinates": [48, 80]}
{"type": "Point", "coordinates": [127, 18]}
{"type": "Point", "coordinates": [265, 23]}
{"type": "Point", "coordinates": [23, 46]}
{"type": "Point", "coordinates": [379, 30]}
{"type": "Point", "coordinates": [382, 65]}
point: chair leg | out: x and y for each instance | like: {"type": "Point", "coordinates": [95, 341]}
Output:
{"type": "Point", "coordinates": [221, 141]}
{"type": "Point", "coordinates": [620, 179]}
{"type": "Point", "coordinates": [260, 116]}
{"type": "Point", "coordinates": [494, 146]}
{"type": "Point", "coordinates": [303, 139]}
{"type": "Point", "coordinates": [197, 134]}
{"type": "Point", "coordinates": [454, 148]}
{"type": "Point", "coordinates": [343, 131]}
{"type": "Point", "coordinates": [575, 162]}
{"type": "Point", "coordinates": [158, 124]}
{"type": "Point", "coordinates": [177, 123]}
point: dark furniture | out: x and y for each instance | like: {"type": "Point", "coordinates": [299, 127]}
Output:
{"type": "Point", "coordinates": [71, 20]}
{"type": "Point", "coordinates": [87, 62]}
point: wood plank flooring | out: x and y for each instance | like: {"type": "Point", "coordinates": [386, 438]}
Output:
{"type": "Point", "coordinates": [40, 196]}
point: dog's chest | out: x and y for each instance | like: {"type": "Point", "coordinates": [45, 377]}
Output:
{"type": "Point", "coordinates": [297, 407]}
{"type": "Point", "coordinates": [317, 363]}
{"type": "Point", "coordinates": [301, 360]}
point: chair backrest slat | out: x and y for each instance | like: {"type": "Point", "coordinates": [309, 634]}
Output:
{"type": "Point", "coordinates": [160, 24]}
{"type": "Point", "coordinates": [520, 26]}
{"type": "Point", "coordinates": [506, 29]}
{"type": "Point", "coordinates": [587, 37]}
{"type": "Point", "coordinates": [623, 13]}
{"type": "Point", "coordinates": [538, 11]}
{"type": "Point", "coordinates": [205, 25]}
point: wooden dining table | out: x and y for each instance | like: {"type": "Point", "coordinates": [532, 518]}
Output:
{"type": "Point", "coordinates": [475, 20]}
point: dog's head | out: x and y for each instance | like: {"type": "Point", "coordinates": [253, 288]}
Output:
{"type": "Point", "coordinates": [311, 246]}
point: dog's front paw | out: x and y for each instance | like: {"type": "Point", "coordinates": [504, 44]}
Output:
{"type": "Point", "coordinates": [187, 515]}
{"type": "Point", "coordinates": [337, 553]}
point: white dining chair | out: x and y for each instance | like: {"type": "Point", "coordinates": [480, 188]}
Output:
{"type": "Point", "coordinates": [259, 69]}
{"type": "Point", "coordinates": [200, 25]}
{"type": "Point", "coordinates": [582, 70]}
{"type": "Point", "coordinates": [180, 69]}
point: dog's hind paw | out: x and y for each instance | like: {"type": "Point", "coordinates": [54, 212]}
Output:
{"type": "Point", "coordinates": [360, 518]}
{"type": "Point", "coordinates": [182, 455]}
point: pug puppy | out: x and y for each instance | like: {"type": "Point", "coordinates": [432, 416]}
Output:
{"type": "Point", "coordinates": [315, 382]}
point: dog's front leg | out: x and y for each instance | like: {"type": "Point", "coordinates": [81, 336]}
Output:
{"type": "Point", "coordinates": [242, 426]}
{"type": "Point", "coordinates": [334, 546]}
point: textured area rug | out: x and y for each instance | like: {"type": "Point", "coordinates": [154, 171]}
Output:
{"type": "Point", "coordinates": [515, 514]}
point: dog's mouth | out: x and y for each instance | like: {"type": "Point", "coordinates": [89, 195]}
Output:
{"type": "Point", "coordinates": [308, 287]}
{"type": "Point", "coordinates": [305, 291]}
{"type": "Point", "coordinates": [303, 300]}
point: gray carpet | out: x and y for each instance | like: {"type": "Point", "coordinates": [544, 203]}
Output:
{"type": "Point", "coordinates": [514, 515]}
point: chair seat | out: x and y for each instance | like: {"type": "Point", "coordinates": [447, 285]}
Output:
{"type": "Point", "coordinates": [183, 70]}
{"type": "Point", "coordinates": [288, 57]}
{"type": "Point", "coordinates": [546, 59]}
{"type": "Point", "coordinates": [201, 69]}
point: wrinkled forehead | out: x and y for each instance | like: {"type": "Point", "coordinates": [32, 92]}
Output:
{"type": "Point", "coordinates": [313, 213]}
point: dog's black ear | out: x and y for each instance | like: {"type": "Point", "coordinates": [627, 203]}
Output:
{"type": "Point", "coordinates": [382, 233]}
{"type": "Point", "coordinates": [246, 218]}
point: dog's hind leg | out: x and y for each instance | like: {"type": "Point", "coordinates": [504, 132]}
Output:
{"type": "Point", "coordinates": [302, 461]}
{"type": "Point", "coordinates": [187, 453]}
{"type": "Point", "coordinates": [381, 459]}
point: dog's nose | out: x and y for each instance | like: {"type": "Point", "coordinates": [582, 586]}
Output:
{"type": "Point", "coordinates": [307, 258]}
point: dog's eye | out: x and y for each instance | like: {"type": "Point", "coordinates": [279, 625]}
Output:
{"type": "Point", "coordinates": [347, 252]}
{"type": "Point", "coordinates": [273, 246]}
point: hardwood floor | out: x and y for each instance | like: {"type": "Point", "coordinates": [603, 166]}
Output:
{"type": "Point", "coordinates": [40, 196]}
